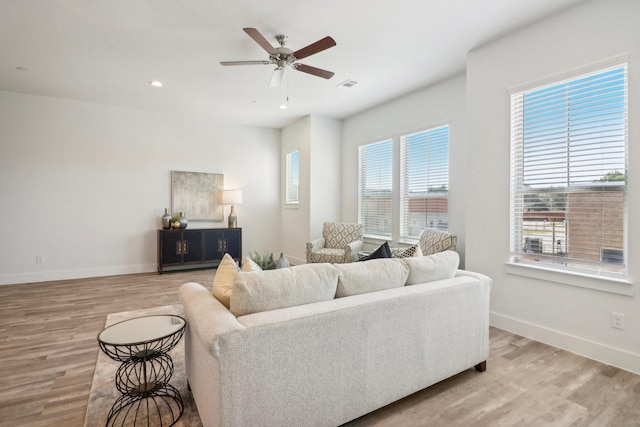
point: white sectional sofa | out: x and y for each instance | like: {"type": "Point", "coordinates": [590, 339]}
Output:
{"type": "Point", "coordinates": [323, 344]}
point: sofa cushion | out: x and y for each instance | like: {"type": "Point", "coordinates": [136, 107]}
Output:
{"type": "Point", "coordinates": [286, 287]}
{"type": "Point", "coordinates": [374, 275]}
{"type": "Point", "coordinates": [432, 267]}
{"type": "Point", "coordinates": [226, 274]}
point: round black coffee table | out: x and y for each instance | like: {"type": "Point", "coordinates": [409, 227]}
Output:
{"type": "Point", "coordinates": [141, 344]}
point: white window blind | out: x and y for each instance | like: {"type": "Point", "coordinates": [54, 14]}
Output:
{"type": "Point", "coordinates": [424, 181]}
{"type": "Point", "coordinates": [292, 178]}
{"type": "Point", "coordinates": [569, 173]}
{"type": "Point", "coordinates": [375, 188]}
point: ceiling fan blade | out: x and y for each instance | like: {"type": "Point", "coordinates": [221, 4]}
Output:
{"type": "Point", "coordinates": [314, 71]}
{"type": "Point", "coordinates": [314, 48]}
{"type": "Point", "coordinates": [259, 38]}
{"type": "Point", "coordinates": [276, 77]}
{"type": "Point", "coordinates": [245, 62]}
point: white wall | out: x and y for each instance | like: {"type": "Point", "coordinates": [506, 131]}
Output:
{"type": "Point", "coordinates": [84, 185]}
{"type": "Point", "coordinates": [325, 178]}
{"type": "Point", "coordinates": [295, 219]}
{"type": "Point", "coordinates": [318, 140]}
{"type": "Point", "coordinates": [435, 105]}
{"type": "Point", "coordinates": [570, 317]}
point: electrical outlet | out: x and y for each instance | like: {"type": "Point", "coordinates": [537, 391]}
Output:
{"type": "Point", "coordinates": [39, 259]}
{"type": "Point", "coordinates": [617, 320]}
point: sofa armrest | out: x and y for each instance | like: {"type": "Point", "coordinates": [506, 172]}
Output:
{"type": "Point", "coordinates": [353, 248]}
{"type": "Point", "coordinates": [207, 316]}
{"type": "Point", "coordinates": [315, 244]}
{"type": "Point", "coordinates": [473, 274]}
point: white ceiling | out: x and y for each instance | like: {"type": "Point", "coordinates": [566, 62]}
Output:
{"type": "Point", "coordinates": [108, 51]}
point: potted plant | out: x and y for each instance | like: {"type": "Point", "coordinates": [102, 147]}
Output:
{"type": "Point", "coordinates": [264, 260]}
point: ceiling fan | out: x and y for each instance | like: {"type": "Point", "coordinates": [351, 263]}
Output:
{"type": "Point", "coordinates": [283, 57]}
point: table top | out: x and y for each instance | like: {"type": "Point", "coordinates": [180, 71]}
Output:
{"type": "Point", "coordinates": [141, 330]}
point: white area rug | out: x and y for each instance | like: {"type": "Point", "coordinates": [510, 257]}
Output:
{"type": "Point", "coordinates": [103, 389]}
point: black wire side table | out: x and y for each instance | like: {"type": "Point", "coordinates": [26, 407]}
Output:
{"type": "Point", "coordinates": [142, 344]}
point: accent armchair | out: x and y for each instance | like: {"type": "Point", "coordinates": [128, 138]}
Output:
{"type": "Point", "coordinates": [433, 241]}
{"type": "Point", "coordinates": [340, 243]}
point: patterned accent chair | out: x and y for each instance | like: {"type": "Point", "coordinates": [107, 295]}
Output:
{"type": "Point", "coordinates": [432, 241]}
{"type": "Point", "coordinates": [340, 243]}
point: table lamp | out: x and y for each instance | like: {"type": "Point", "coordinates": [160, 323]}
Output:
{"type": "Point", "coordinates": [232, 197]}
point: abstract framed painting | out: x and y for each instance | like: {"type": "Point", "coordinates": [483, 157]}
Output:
{"type": "Point", "coordinates": [198, 195]}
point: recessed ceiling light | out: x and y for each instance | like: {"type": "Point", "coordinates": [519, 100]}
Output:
{"type": "Point", "coordinates": [283, 106]}
{"type": "Point", "coordinates": [155, 83]}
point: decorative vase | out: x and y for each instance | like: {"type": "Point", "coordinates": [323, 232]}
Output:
{"type": "Point", "coordinates": [183, 220]}
{"type": "Point", "coordinates": [166, 219]}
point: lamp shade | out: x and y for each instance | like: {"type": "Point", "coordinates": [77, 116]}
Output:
{"type": "Point", "coordinates": [232, 197]}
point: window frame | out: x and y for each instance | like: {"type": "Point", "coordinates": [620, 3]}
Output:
{"type": "Point", "coordinates": [427, 139]}
{"type": "Point", "coordinates": [292, 180]}
{"type": "Point", "coordinates": [589, 277]}
{"type": "Point", "coordinates": [395, 168]}
{"type": "Point", "coordinates": [386, 217]}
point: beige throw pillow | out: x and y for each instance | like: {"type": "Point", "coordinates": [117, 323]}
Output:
{"type": "Point", "coordinates": [223, 280]}
{"type": "Point", "coordinates": [226, 274]}
{"type": "Point", "coordinates": [250, 265]}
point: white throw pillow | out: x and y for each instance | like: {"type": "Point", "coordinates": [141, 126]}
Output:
{"type": "Point", "coordinates": [374, 275]}
{"type": "Point", "coordinates": [223, 280]}
{"type": "Point", "coordinates": [441, 265]}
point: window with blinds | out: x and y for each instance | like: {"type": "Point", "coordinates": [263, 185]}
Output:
{"type": "Point", "coordinates": [424, 181]}
{"type": "Point", "coordinates": [569, 173]}
{"type": "Point", "coordinates": [375, 170]}
{"type": "Point", "coordinates": [292, 178]}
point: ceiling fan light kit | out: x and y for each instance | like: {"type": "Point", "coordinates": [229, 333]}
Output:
{"type": "Point", "coordinates": [283, 57]}
{"type": "Point", "coordinates": [276, 77]}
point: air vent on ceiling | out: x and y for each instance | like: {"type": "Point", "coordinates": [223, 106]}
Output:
{"type": "Point", "coordinates": [347, 84]}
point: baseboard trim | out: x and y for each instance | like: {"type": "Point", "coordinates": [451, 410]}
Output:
{"type": "Point", "coordinates": [295, 261]}
{"type": "Point", "coordinates": [51, 275]}
{"type": "Point", "coordinates": [593, 350]}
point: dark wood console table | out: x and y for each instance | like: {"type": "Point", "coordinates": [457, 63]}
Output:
{"type": "Point", "coordinates": [197, 248]}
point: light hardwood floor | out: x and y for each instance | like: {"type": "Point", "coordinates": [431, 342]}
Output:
{"type": "Point", "coordinates": [48, 350]}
